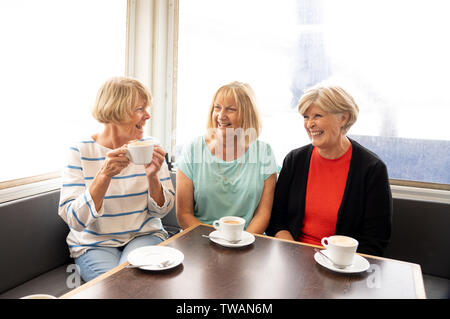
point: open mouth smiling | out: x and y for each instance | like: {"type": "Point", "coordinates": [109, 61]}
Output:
{"type": "Point", "coordinates": [316, 133]}
{"type": "Point", "coordinates": [223, 124]}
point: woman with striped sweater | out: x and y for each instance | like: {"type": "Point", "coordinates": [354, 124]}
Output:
{"type": "Point", "coordinates": [110, 204]}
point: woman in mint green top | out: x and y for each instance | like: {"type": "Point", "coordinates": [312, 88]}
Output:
{"type": "Point", "coordinates": [227, 172]}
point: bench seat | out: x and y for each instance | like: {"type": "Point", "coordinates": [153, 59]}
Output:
{"type": "Point", "coordinates": [53, 282]}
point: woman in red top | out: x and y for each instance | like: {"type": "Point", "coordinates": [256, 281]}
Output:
{"type": "Point", "coordinates": [333, 185]}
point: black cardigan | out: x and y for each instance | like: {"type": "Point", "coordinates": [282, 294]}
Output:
{"type": "Point", "coordinates": [366, 208]}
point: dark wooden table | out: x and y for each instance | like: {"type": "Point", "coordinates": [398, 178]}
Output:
{"type": "Point", "coordinates": [268, 268]}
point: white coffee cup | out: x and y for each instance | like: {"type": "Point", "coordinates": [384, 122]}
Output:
{"type": "Point", "coordinates": [39, 296]}
{"type": "Point", "coordinates": [341, 249]}
{"type": "Point", "coordinates": [140, 152]}
{"type": "Point", "coordinates": [231, 227]}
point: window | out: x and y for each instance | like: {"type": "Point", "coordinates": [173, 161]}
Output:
{"type": "Point", "coordinates": [55, 55]}
{"type": "Point", "coordinates": [390, 55]}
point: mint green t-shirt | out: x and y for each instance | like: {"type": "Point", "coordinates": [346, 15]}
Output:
{"type": "Point", "coordinates": [226, 188]}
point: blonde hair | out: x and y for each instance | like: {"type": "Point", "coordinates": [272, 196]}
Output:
{"type": "Point", "coordinates": [331, 99]}
{"type": "Point", "coordinates": [245, 100]}
{"type": "Point", "coordinates": [117, 98]}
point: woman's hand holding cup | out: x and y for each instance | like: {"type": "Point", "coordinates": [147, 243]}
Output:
{"type": "Point", "coordinates": [154, 166]}
{"type": "Point", "coordinates": [146, 153]}
{"type": "Point", "coordinates": [115, 161]}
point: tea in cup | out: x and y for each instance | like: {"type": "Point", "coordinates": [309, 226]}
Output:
{"type": "Point", "coordinates": [231, 227]}
{"type": "Point", "coordinates": [140, 152]}
{"type": "Point", "coordinates": [341, 249]}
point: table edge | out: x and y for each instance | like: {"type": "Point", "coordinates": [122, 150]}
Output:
{"type": "Point", "coordinates": [416, 269]}
{"type": "Point", "coordinates": [120, 267]}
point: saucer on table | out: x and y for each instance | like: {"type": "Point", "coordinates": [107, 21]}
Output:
{"type": "Point", "coordinates": [246, 239]}
{"type": "Point", "coordinates": [360, 263]}
{"type": "Point", "coordinates": [153, 256]}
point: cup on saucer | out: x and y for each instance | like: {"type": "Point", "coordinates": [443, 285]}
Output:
{"type": "Point", "coordinates": [341, 249]}
{"type": "Point", "coordinates": [230, 227]}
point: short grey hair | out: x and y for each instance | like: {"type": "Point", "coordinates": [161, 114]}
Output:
{"type": "Point", "coordinates": [331, 99]}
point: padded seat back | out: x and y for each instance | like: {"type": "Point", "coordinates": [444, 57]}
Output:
{"type": "Point", "coordinates": [32, 238]}
{"type": "Point", "coordinates": [420, 235]}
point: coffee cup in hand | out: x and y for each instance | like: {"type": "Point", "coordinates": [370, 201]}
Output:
{"type": "Point", "coordinates": [341, 249]}
{"type": "Point", "coordinates": [140, 152]}
{"type": "Point", "coordinates": [231, 227]}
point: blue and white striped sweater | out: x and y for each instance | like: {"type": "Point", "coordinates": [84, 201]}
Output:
{"type": "Point", "coordinates": [127, 212]}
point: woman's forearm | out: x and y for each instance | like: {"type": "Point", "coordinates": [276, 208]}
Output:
{"type": "Point", "coordinates": [258, 225]}
{"type": "Point", "coordinates": [155, 190]}
{"type": "Point", "coordinates": [187, 220]}
{"type": "Point", "coordinates": [185, 201]}
{"type": "Point", "coordinates": [284, 234]}
{"type": "Point", "coordinates": [261, 217]}
{"type": "Point", "coordinates": [98, 189]}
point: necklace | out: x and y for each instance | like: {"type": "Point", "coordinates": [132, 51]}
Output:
{"type": "Point", "coordinates": [226, 180]}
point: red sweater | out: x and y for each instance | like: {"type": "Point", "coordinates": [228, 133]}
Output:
{"type": "Point", "coordinates": [326, 184]}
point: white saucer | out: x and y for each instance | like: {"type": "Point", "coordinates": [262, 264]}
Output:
{"type": "Point", "coordinates": [246, 239]}
{"type": "Point", "coordinates": [360, 263]}
{"type": "Point", "coordinates": [152, 256]}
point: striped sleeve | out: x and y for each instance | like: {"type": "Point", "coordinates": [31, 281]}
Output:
{"type": "Point", "coordinates": [168, 191]}
{"type": "Point", "coordinates": [76, 206]}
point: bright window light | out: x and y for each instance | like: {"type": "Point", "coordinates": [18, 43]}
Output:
{"type": "Point", "coordinates": [392, 56]}
{"type": "Point", "coordinates": [55, 55]}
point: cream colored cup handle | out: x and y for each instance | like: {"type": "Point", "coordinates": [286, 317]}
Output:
{"type": "Point", "coordinates": [323, 242]}
{"type": "Point", "coordinates": [216, 224]}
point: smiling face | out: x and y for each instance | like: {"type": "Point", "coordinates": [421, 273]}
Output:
{"type": "Point", "coordinates": [324, 129]}
{"type": "Point", "coordinates": [225, 114]}
{"type": "Point", "coordinates": [134, 128]}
